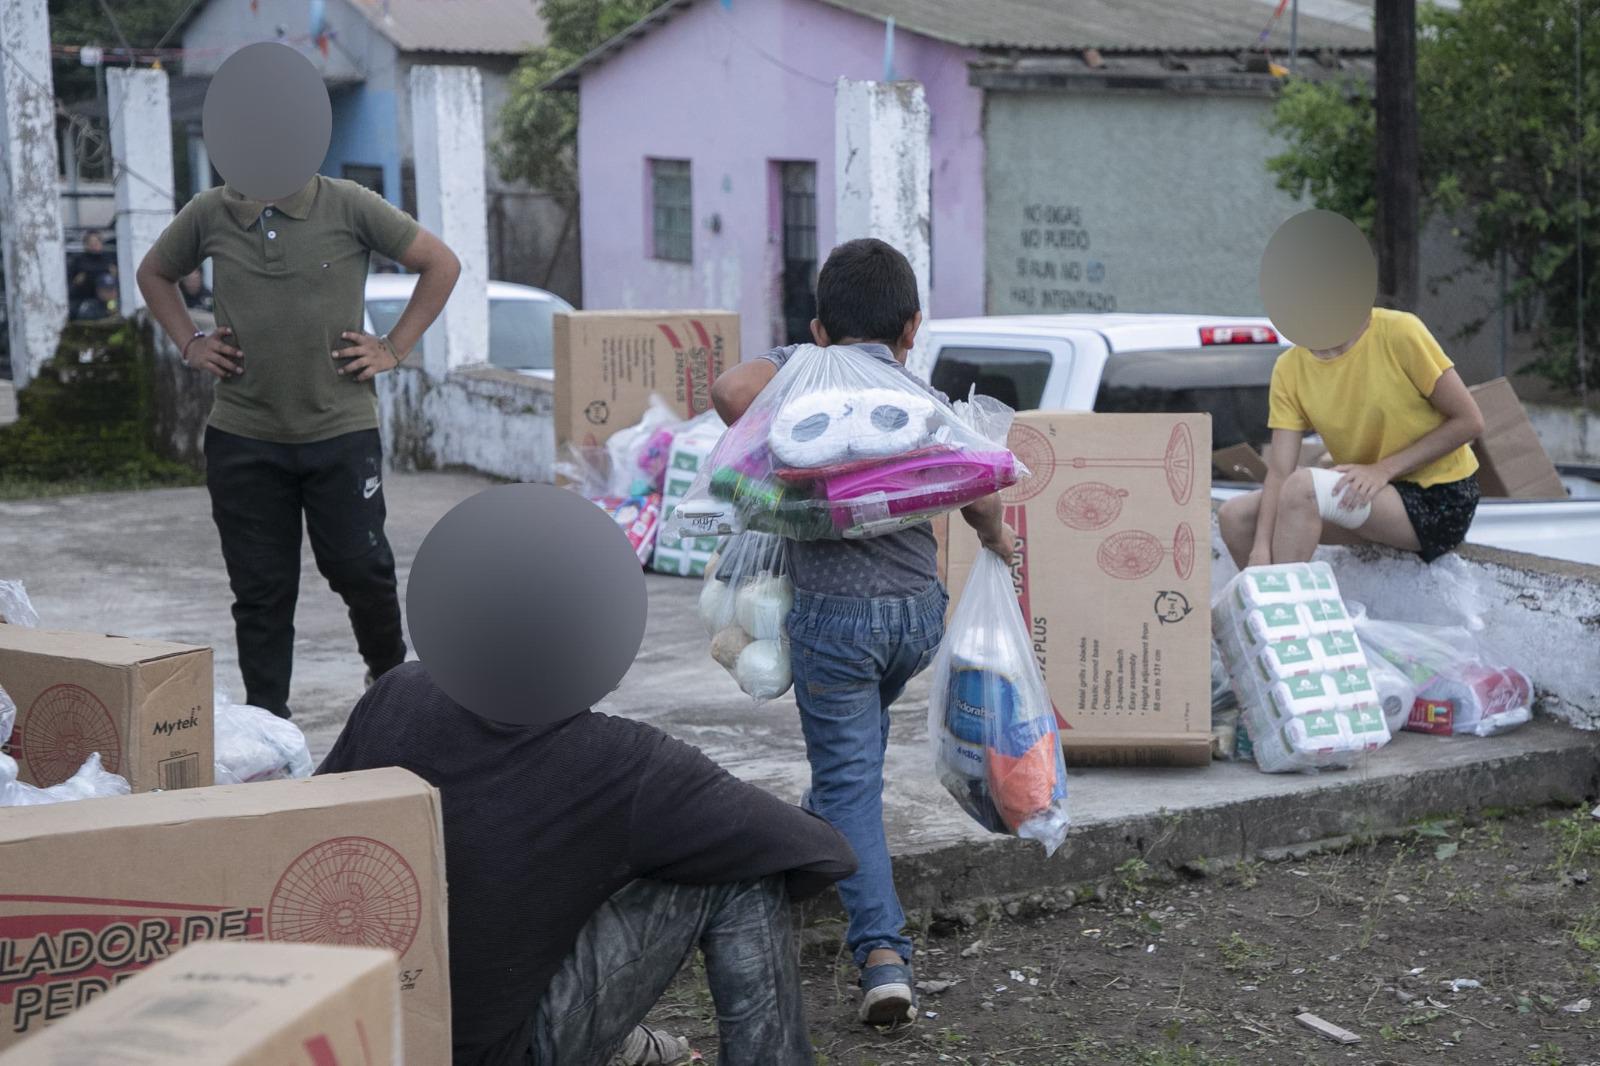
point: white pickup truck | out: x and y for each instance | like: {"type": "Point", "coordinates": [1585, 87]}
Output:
{"type": "Point", "coordinates": [1181, 363]}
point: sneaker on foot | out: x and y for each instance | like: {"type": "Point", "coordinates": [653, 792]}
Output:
{"type": "Point", "coordinates": [652, 1047]}
{"type": "Point", "coordinates": [886, 995]}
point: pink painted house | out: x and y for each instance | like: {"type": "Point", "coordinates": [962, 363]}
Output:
{"type": "Point", "coordinates": [705, 158]}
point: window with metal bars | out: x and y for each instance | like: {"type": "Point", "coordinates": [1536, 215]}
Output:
{"type": "Point", "coordinates": [672, 227]}
{"type": "Point", "coordinates": [799, 219]}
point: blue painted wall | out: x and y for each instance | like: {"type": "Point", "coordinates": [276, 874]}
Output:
{"type": "Point", "coordinates": [366, 131]}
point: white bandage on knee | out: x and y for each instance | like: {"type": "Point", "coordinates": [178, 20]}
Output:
{"type": "Point", "coordinates": [1324, 480]}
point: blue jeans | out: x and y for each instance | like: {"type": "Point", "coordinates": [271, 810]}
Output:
{"type": "Point", "coordinates": [851, 658]}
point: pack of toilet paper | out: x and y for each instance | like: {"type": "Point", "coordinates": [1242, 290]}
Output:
{"type": "Point", "coordinates": [841, 444]}
{"type": "Point", "coordinates": [692, 444]}
{"type": "Point", "coordinates": [1309, 699]}
{"type": "Point", "coordinates": [745, 600]}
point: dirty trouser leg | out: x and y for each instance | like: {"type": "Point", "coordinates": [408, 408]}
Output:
{"type": "Point", "coordinates": [342, 482]}
{"type": "Point", "coordinates": [255, 502]}
{"type": "Point", "coordinates": [635, 944]}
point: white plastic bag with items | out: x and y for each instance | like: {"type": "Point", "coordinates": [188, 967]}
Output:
{"type": "Point", "coordinates": [744, 599]}
{"type": "Point", "coordinates": [996, 748]}
{"type": "Point", "coordinates": [14, 606]}
{"type": "Point", "coordinates": [842, 445]}
{"type": "Point", "coordinates": [253, 744]}
{"type": "Point", "coordinates": [92, 781]}
{"type": "Point", "coordinates": [1460, 687]}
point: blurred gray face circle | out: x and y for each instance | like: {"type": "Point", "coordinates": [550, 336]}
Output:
{"type": "Point", "coordinates": [267, 121]}
{"type": "Point", "coordinates": [526, 604]}
{"type": "Point", "coordinates": [1318, 279]}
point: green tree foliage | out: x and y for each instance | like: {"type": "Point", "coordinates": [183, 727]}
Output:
{"type": "Point", "coordinates": [538, 127]}
{"type": "Point", "coordinates": [81, 22]}
{"type": "Point", "coordinates": [1503, 128]}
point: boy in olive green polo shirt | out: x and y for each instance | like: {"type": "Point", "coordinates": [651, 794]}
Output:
{"type": "Point", "coordinates": [294, 425]}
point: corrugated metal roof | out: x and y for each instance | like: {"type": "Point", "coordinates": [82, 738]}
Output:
{"type": "Point", "coordinates": [493, 27]}
{"type": "Point", "coordinates": [1176, 26]}
{"type": "Point", "coordinates": [1124, 25]}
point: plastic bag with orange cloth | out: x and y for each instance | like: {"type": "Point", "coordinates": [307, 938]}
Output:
{"type": "Point", "coordinates": [992, 726]}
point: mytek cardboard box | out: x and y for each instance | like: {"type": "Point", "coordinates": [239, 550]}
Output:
{"type": "Point", "coordinates": [1113, 573]}
{"type": "Point", "coordinates": [92, 892]}
{"type": "Point", "coordinates": [609, 363]}
{"type": "Point", "coordinates": [144, 705]}
{"type": "Point", "coordinates": [220, 1003]}
{"type": "Point", "coordinates": [1511, 461]}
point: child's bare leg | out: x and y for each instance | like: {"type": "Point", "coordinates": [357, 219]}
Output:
{"type": "Point", "coordinates": [1299, 528]}
{"type": "Point", "coordinates": [1237, 519]}
{"type": "Point", "coordinates": [1390, 525]}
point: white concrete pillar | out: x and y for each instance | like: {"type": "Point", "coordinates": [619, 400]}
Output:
{"type": "Point", "coordinates": [200, 179]}
{"type": "Point", "coordinates": [882, 171]}
{"type": "Point", "coordinates": [141, 153]}
{"type": "Point", "coordinates": [447, 146]}
{"type": "Point", "coordinates": [30, 191]}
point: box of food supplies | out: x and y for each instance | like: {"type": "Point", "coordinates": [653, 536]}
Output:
{"type": "Point", "coordinates": [144, 705]}
{"type": "Point", "coordinates": [609, 363]}
{"type": "Point", "coordinates": [99, 889]}
{"type": "Point", "coordinates": [231, 1003]}
{"type": "Point", "coordinates": [1113, 576]}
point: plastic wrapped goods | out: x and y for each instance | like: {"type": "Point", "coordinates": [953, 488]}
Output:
{"type": "Point", "coordinates": [15, 609]}
{"type": "Point", "coordinates": [990, 719]}
{"type": "Point", "coordinates": [253, 744]}
{"type": "Point", "coordinates": [841, 445]}
{"type": "Point", "coordinates": [744, 604]}
{"type": "Point", "coordinates": [92, 781]}
{"type": "Point", "coordinates": [1460, 686]}
{"type": "Point", "coordinates": [1307, 696]}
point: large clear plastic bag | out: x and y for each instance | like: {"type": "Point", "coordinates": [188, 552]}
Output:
{"type": "Point", "coordinates": [692, 445]}
{"type": "Point", "coordinates": [92, 781]}
{"type": "Point", "coordinates": [253, 744]}
{"type": "Point", "coordinates": [842, 445]}
{"type": "Point", "coordinates": [623, 477]}
{"type": "Point", "coordinates": [14, 606]}
{"type": "Point", "coordinates": [1460, 686]}
{"type": "Point", "coordinates": [1307, 697]}
{"type": "Point", "coordinates": [990, 719]}
{"type": "Point", "coordinates": [744, 601]}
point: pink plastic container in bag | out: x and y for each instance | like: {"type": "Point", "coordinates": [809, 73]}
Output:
{"type": "Point", "coordinates": [909, 486]}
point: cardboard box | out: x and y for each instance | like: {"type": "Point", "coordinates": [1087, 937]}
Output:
{"type": "Point", "coordinates": [608, 363]}
{"type": "Point", "coordinates": [1114, 578]}
{"type": "Point", "coordinates": [144, 705]}
{"type": "Point", "coordinates": [237, 1004]}
{"type": "Point", "coordinates": [99, 889]}
{"type": "Point", "coordinates": [1240, 463]}
{"type": "Point", "coordinates": [1511, 460]}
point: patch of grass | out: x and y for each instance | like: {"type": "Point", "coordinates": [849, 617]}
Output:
{"type": "Point", "coordinates": [1577, 838]}
{"type": "Point", "coordinates": [1238, 953]}
{"type": "Point", "coordinates": [1547, 1055]}
{"type": "Point", "coordinates": [1132, 875]}
{"type": "Point", "coordinates": [1174, 1053]}
{"type": "Point", "coordinates": [1585, 932]}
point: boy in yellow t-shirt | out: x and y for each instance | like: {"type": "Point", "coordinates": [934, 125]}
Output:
{"type": "Point", "coordinates": [1398, 421]}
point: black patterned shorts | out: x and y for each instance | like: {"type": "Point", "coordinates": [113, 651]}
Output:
{"type": "Point", "coordinates": [1441, 514]}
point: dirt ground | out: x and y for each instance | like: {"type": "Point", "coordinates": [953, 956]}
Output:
{"type": "Point", "coordinates": [1210, 967]}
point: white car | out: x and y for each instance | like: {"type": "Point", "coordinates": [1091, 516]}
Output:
{"type": "Point", "coordinates": [521, 320]}
{"type": "Point", "coordinates": [1181, 363]}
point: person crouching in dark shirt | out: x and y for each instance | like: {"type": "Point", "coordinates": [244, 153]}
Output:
{"type": "Point", "coordinates": [586, 861]}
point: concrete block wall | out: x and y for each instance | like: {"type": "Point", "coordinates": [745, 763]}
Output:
{"type": "Point", "coordinates": [493, 421]}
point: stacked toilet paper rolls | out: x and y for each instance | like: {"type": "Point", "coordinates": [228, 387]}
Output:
{"type": "Point", "coordinates": [1308, 698]}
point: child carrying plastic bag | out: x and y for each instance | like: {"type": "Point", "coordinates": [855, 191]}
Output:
{"type": "Point", "coordinates": [990, 719]}
{"type": "Point", "coordinates": [743, 604]}
{"type": "Point", "coordinates": [842, 446]}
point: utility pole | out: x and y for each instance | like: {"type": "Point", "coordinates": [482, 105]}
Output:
{"type": "Point", "coordinates": [1397, 186]}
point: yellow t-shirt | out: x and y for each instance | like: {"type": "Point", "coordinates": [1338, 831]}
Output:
{"type": "Point", "coordinates": [1372, 401]}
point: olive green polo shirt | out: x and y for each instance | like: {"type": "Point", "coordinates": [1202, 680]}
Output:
{"type": "Point", "coordinates": [288, 279]}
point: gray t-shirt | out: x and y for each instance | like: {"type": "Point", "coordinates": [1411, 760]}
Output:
{"type": "Point", "coordinates": [899, 564]}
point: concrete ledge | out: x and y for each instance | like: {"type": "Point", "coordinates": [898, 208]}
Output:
{"type": "Point", "coordinates": [480, 417]}
{"type": "Point", "coordinates": [1230, 811]}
